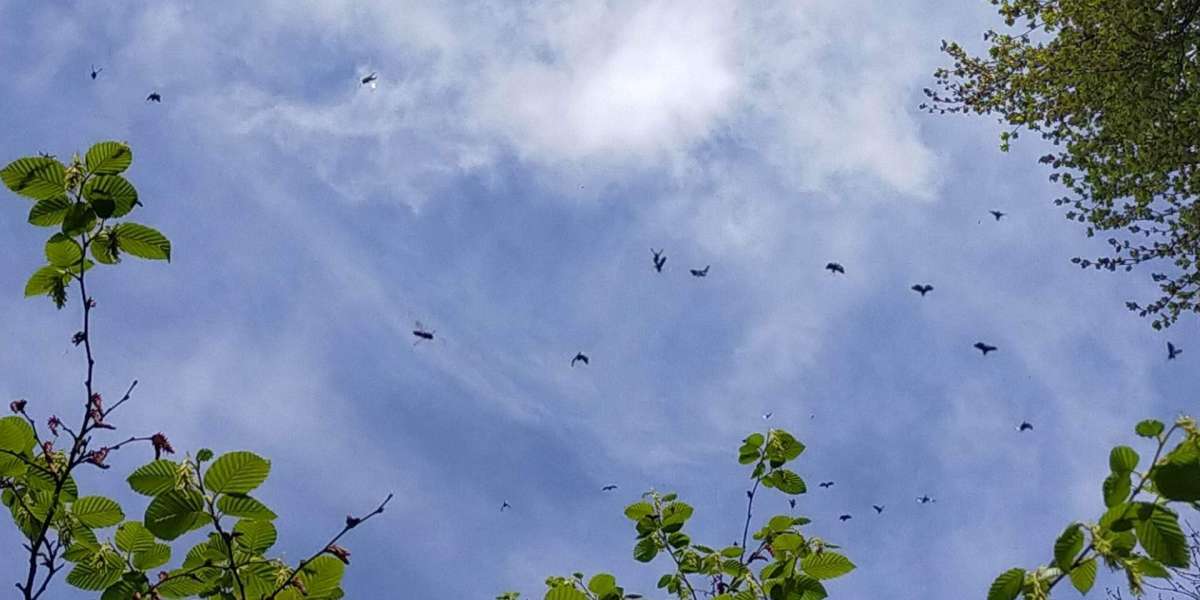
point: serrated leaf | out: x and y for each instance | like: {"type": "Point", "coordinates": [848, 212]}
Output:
{"type": "Point", "coordinates": [645, 550]}
{"type": "Point", "coordinates": [1150, 428]}
{"type": "Point", "coordinates": [789, 482]}
{"type": "Point", "coordinates": [156, 556]}
{"type": "Point", "coordinates": [62, 251]}
{"type": "Point", "coordinates": [132, 536]}
{"type": "Point", "coordinates": [1083, 577]}
{"type": "Point", "coordinates": [826, 565]}
{"type": "Point", "coordinates": [142, 241]}
{"type": "Point", "coordinates": [108, 158]}
{"type": "Point", "coordinates": [36, 177]}
{"type": "Point", "coordinates": [256, 536]}
{"type": "Point", "coordinates": [1116, 488]}
{"type": "Point", "coordinates": [322, 576]}
{"type": "Point", "coordinates": [1068, 546]}
{"type": "Point", "coordinates": [241, 505]}
{"type": "Point", "coordinates": [49, 212]}
{"type": "Point", "coordinates": [1122, 459]}
{"type": "Point", "coordinates": [97, 512]}
{"type": "Point", "coordinates": [237, 473]}
{"type": "Point", "coordinates": [98, 574]}
{"type": "Point", "coordinates": [112, 196]}
{"type": "Point", "coordinates": [174, 513]}
{"type": "Point", "coordinates": [1159, 533]}
{"type": "Point", "coordinates": [16, 434]}
{"type": "Point", "coordinates": [44, 281]}
{"type": "Point", "coordinates": [1148, 567]}
{"type": "Point", "coordinates": [154, 478]}
{"type": "Point", "coordinates": [1007, 585]}
{"type": "Point", "coordinates": [639, 510]}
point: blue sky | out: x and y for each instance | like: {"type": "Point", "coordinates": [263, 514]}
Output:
{"type": "Point", "coordinates": [504, 185]}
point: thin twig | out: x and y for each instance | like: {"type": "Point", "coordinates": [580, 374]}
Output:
{"type": "Point", "coordinates": [351, 523]}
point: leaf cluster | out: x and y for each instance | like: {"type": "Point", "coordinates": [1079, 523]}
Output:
{"type": "Point", "coordinates": [1138, 534]}
{"type": "Point", "coordinates": [83, 200]}
{"type": "Point", "coordinates": [794, 563]}
{"type": "Point", "coordinates": [1113, 86]}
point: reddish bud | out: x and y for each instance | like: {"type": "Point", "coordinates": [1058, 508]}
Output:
{"type": "Point", "coordinates": [161, 445]}
{"type": "Point", "coordinates": [17, 406]}
{"type": "Point", "coordinates": [53, 423]}
{"type": "Point", "coordinates": [97, 457]}
{"type": "Point", "coordinates": [341, 553]}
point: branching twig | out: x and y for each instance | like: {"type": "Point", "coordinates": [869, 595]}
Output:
{"type": "Point", "coordinates": [351, 523]}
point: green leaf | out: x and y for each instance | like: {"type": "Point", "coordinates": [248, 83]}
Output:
{"type": "Point", "coordinates": [1068, 545]}
{"type": "Point", "coordinates": [132, 536]}
{"type": "Point", "coordinates": [16, 434]}
{"type": "Point", "coordinates": [241, 505]}
{"type": "Point", "coordinates": [1149, 567]}
{"type": "Point", "coordinates": [97, 574]}
{"type": "Point", "coordinates": [1179, 481]}
{"type": "Point", "coordinates": [154, 478]}
{"type": "Point", "coordinates": [183, 585]}
{"type": "Point", "coordinates": [779, 523]}
{"type": "Point", "coordinates": [1083, 577]}
{"type": "Point", "coordinates": [602, 583]}
{"type": "Point", "coordinates": [97, 512]}
{"type": "Point", "coordinates": [788, 482]}
{"type": "Point", "coordinates": [142, 241]}
{"type": "Point", "coordinates": [204, 455]}
{"type": "Point", "coordinates": [157, 556]}
{"type": "Point", "coordinates": [674, 515]}
{"type": "Point", "coordinates": [62, 251]}
{"type": "Point", "coordinates": [782, 447]}
{"type": "Point", "coordinates": [111, 195]}
{"type": "Point", "coordinates": [1122, 459]}
{"type": "Point", "coordinates": [639, 510]}
{"type": "Point", "coordinates": [255, 536]}
{"type": "Point", "coordinates": [237, 473]}
{"type": "Point", "coordinates": [565, 592]}
{"type": "Point", "coordinates": [1119, 517]}
{"type": "Point", "coordinates": [37, 177]}
{"type": "Point", "coordinates": [1007, 585]}
{"type": "Point", "coordinates": [108, 158]}
{"type": "Point", "coordinates": [1116, 488]}
{"type": "Point", "coordinates": [322, 576]}
{"type": "Point", "coordinates": [44, 280]}
{"type": "Point", "coordinates": [174, 513]}
{"type": "Point", "coordinates": [787, 542]}
{"type": "Point", "coordinates": [645, 550]}
{"type": "Point", "coordinates": [1149, 428]}
{"type": "Point", "coordinates": [49, 212]}
{"type": "Point", "coordinates": [79, 218]}
{"type": "Point", "coordinates": [826, 565]}
{"type": "Point", "coordinates": [104, 248]}
{"type": "Point", "coordinates": [124, 589]}
{"type": "Point", "coordinates": [1159, 533]}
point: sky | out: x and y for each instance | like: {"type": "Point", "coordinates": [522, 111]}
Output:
{"type": "Point", "coordinates": [503, 184]}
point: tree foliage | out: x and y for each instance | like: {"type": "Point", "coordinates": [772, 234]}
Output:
{"type": "Point", "coordinates": [92, 536]}
{"type": "Point", "coordinates": [795, 564]}
{"type": "Point", "coordinates": [1113, 86]}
